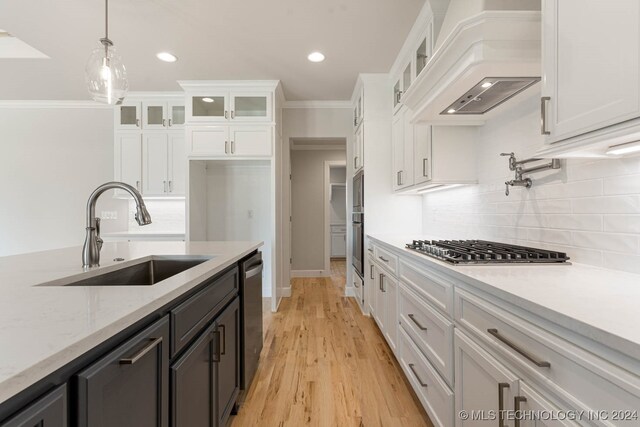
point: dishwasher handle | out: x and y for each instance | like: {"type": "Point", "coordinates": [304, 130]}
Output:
{"type": "Point", "coordinates": [254, 271]}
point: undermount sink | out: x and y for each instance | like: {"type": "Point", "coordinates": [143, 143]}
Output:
{"type": "Point", "coordinates": [145, 273]}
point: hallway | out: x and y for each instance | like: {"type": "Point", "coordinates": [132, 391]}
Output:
{"type": "Point", "coordinates": [325, 364]}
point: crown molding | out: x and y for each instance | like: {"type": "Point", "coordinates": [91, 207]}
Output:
{"type": "Point", "coordinates": [317, 104]}
{"type": "Point", "coordinates": [39, 103]}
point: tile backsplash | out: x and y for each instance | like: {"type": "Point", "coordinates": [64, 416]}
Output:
{"type": "Point", "coordinates": [167, 216]}
{"type": "Point", "coordinates": [589, 208]}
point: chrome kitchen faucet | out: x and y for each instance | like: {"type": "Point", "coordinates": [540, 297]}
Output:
{"type": "Point", "coordinates": [93, 242]}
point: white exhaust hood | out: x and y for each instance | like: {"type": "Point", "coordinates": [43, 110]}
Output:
{"type": "Point", "coordinates": [487, 52]}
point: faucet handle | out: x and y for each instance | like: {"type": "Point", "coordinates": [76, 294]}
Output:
{"type": "Point", "coordinates": [506, 190]}
{"type": "Point", "coordinates": [507, 154]}
{"type": "Point", "coordinates": [99, 240]}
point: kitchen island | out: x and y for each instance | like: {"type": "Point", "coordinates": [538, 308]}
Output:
{"type": "Point", "coordinates": [48, 331]}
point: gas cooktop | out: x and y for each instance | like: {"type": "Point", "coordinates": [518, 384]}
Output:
{"type": "Point", "coordinates": [485, 252]}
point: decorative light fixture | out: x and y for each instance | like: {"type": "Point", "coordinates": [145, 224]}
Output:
{"type": "Point", "coordinates": [316, 57]}
{"type": "Point", "coordinates": [629, 147]}
{"type": "Point", "coordinates": [105, 73]}
{"type": "Point", "coordinates": [166, 57]}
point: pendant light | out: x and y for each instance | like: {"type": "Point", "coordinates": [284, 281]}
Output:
{"type": "Point", "coordinates": [105, 73]}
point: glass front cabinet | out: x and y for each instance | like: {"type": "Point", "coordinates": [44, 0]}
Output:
{"type": "Point", "coordinates": [152, 114]}
{"type": "Point", "coordinates": [230, 107]}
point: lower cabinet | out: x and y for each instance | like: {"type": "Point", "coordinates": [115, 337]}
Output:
{"type": "Point", "coordinates": [205, 378]}
{"type": "Point", "coordinates": [48, 411]}
{"type": "Point", "coordinates": [386, 304]}
{"type": "Point", "coordinates": [128, 387]}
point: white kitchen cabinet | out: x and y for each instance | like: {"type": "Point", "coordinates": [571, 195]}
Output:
{"type": "Point", "coordinates": [155, 154]}
{"type": "Point", "coordinates": [402, 141]}
{"type": "Point", "coordinates": [422, 157]}
{"type": "Point", "coordinates": [175, 114]}
{"type": "Point", "coordinates": [177, 164]}
{"type": "Point", "coordinates": [358, 109]}
{"type": "Point", "coordinates": [154, 115]}
{"type": "Point", "coordinates": [358, 149]}
{"type": "Point", "coordinates": [128, 158]}
{"type": "Point", "coordinates": [483, 385]}
{"type": "Point", "coordinates": [208, 141]}
{"type": "Point", "coordinates": [338, 241]}
{"type": "Point", "coordinates": [250, 141]}
{"type": "Point", "coordinates": [226, 106]}
{"type": "Point", "coordinates": [590, 86]}
{"type": "Point", "coordinates": [129, 115]}
{"type": "Point", "coordinates": [150, 113]}
{"type": "Point", "coordinates": [389, 287]}
{"type": "Point", "coordinates": [378, 305]}
{"type": "Point", "coordinates": [531, 401]}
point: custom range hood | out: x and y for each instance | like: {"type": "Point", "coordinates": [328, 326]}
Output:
{"type": "Point", "coordinates": [487, 52]}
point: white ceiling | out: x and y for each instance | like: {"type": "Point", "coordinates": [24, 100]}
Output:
{"type": "Point", "coordinates": [214, 39]}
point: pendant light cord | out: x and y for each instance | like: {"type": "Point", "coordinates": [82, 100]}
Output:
{"type": "Point", "coordinates": [106, 19]}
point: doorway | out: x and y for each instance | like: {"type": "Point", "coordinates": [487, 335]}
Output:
{"type": "Point", "coordinates": [336, 212]}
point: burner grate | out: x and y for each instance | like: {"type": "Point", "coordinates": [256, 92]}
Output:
{"type": "Point", "coordinates": [485, 252]}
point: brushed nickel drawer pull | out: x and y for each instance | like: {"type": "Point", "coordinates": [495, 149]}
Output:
{"type": "Point", "coordinates": [501, 387]}
{"type": "Point", "coordinates": [415, 374]}
{"type": "Point", "coordinates": [412, 317]}
{"type": "Point", "coordinates": [524, 353]}
{"type": "Point", "coordinates": [516, 406]}
{"type": "Point", "coordinates": [372, 277]}
{"type": "Point", "coordinates": [223, 339]}
{"type": "Point", "coordinates": [543, 115]}
{"type": "Point", "coordinates": [146, 349]}
{"type": "Point", "coordinates": [383, 259]}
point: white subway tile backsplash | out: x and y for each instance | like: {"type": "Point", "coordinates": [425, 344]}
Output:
{"type": "Point", "coordinates": [589, 209]}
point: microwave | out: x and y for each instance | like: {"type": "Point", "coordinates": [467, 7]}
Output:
{"type": "Point", "coordinates": [358, 192]}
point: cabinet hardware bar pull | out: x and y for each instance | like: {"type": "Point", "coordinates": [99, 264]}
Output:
{"type": "Point", "coordinates": [372, 277]}
{"type": "Point", "coordinates": [524, 353]}
{"type": "Point", "coordinates": [216, 340]}
{"type": "Point", "coordinates": [169, 122]}
{"type": "Point", "coordinates": [146, 349]}
{"type": "Point", "coordinates": [226, 114]}
{"type": "Point", "coordinates": [233, 147]}
{"type": "Point", "coordinates": [164, 122]}
{"type": "Point", "coordinates": [383, 258]}
{"type": "Point", "coordinates": [543, 115]}
{"type": "Point", "coordinates": [401, 177]}
{"type": "Point", "coordinates": [415, 374]}
{"type": "Point", "coordinates": [170, 186]}
{"type": "Point", "coordinates": [223, 339]}
{"type": "Point", "coordinates": [370, 250]}
{"type": "Point", "coordinates": [424, 167]}
{"type": "Point", "coordinates": [516, 406]}
{"type": "Point", "coordinates": [501, 387]}
{"type": "Point", "coordinates": [413, 317]}
{"type": "Point", "coordinates": [164, 184]}
{"type": "Point", "coordinates": [138, 122]}
{"type": "Point", "coordinates": [381, 281]}
{"type": "Point", "coordinates": [233, 114]}
{"type": "Point", "coordinates": [398, 178]}
{"type": "Point", "coordinates": [355, 162]}
{"type": "Point", "coordinates": [226, 149]}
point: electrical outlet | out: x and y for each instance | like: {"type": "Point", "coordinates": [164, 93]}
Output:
{"type": "Point", "coordinates": [109, 215]}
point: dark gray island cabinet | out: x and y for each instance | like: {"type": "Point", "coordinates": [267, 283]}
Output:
{"type": "Point", "coordinates": [177, 368]}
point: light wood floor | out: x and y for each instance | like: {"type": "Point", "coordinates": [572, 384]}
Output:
{"type": "Point", "coordinates": [325, 364]}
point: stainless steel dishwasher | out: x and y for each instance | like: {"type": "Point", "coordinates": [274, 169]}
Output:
{"type": "Point", "coordinates": [251, 317]}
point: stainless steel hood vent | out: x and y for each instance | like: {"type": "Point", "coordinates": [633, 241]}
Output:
{"type": "Point", "coordinates": [488, 94]}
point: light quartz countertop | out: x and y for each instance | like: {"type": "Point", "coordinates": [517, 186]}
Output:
{"type": "Point", "coordinates": [597, 303]}
{"type": "Point", "coordinates": [43, 328]}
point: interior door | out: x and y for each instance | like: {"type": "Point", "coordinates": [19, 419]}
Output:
{"type": "Point", "coordinates": [155, 154]}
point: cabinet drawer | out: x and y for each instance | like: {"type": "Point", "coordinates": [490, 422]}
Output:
{"type": "Point", "coordinates": [432, 332]}
{"type": "Point", "coordinates": [190, 317]}
{"type": "Point", "coordinates": [50, 411]}
{"type": "Point", "coordinates": [436, 397]}
{"type": "Point", "coordinates": [386, 259]}
{"type": "Point", "coordinates": [431, 286]}
{"type": "Point", "coordinates": [357, 287]}
{"type": "Point", "coordinates": [577, 377]}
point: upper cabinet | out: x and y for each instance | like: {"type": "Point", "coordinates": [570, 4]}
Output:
{"type": "Point", "coordinates": [229, 106]}
{"type": "Point", "coordinates": [358, 111]}
{"type": "Point", "coordinates": [591, 91]}
{"type": "Point", "coordinates": [150, 113]}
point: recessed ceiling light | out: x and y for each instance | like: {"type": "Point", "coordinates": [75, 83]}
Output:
{"type": "Point", "coordinates": [451, 111]}
{"type": "Point", "coordinates": [316, 57]}
{"type": "Point", "coordinates": [486, 84]}
{"type": "Point", "coordinates": [167, 57]}
{"type": "Point", "coordinates": [207, 100]}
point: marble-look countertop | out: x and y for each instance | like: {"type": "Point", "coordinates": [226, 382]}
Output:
{"type": "Point", "coordinates": [598, 303]}
{"type": "Point", "coordinates": [43, 328]}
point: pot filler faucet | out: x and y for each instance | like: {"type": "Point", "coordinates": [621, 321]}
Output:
{"type": "Point", "coordinates": [516, 166]}
{"type": "Point", "coordinates": [93, 242]}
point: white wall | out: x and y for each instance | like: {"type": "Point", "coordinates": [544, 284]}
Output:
{"type": "Point", "coordinates": [308, 238]}
{"type": "Point", "coordinates": [589, 208]}
{"type": "Point", "coordinates": [50, 161]}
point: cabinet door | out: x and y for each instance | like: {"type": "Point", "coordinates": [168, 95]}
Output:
{"type": "Point", "coordinates": [129, 386]}
{"type": "Point", "coordinates": [591, 77]}
{"type": "Point", "coordinates": [379, 296]}
{"type": "Point", "coordinates": [175, 114]}
{"type": "Point", "coordinates": [397, 94]}
{"type": "Point", "coordinates": [338, 245]}
{"type": "Point", "coordinates": [48, 411]}
{"type": "Point", "coordinates": [358, 149]}
{"type": "Point", "coordinates": [154, 115]}
{"type": "Point", "coordinates": [128, 158]}
{"type": "Point", "coordinates": [530, 401]}
{"type": "Point", "coordinates": [397, 155]}
{"type": "Point", "coordinates": [177, 164]}
{"type": "Point", "coordinates": [208, 107]}
{"type": "Point", "coordinates": [250, 141]}
{"type": "Point", "coordinates": [390, 291]}
{"type": "Point", "coordinates": [407, 172]}
{"type": "Point", "coordinates": [370, 286]}
{"type": "Point", "coordinates": [128, 116]}
{"type": "Point", "coordinates": [209, 141]}
{"type": "Point", "coordinates": [251, 107]}
{"type": "Point", "coordinates": [155, 152]}
{"type": "Point", "coordinates": [422, 154]}
{"type": "Point", "coordinates": [483, 385]}
{"type": "Point", "coordinates": [193, 379]}
{"type": "Point", "coordinates": [228, 374]}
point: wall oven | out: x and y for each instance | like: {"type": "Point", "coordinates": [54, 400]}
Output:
{"type": "Point", "coordinates": [357, 224]}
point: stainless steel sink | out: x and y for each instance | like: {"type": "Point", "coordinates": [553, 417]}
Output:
{"type": "Point", "coordinates": [145, 273]}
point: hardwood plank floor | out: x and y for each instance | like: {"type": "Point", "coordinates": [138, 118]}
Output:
{"type": "Point", "coordinates": [325, 364]}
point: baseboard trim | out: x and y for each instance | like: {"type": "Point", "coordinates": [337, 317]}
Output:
{"type": "Point", "coordinates": [349, 292]}
{"type": "Point", "coordinates": [285, 292]}
{"type": "Point", "coordinates": [309, 273]}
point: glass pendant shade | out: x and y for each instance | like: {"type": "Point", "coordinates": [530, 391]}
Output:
{"type": "Point", "coordinates": [106, 75]}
